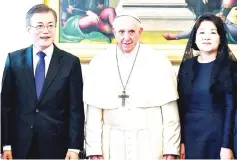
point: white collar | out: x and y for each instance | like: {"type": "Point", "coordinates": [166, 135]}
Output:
{"type": "Point", "coordinates": [48, 51]}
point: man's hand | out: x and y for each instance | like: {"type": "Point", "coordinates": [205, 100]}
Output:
{"type": "Point", "coordinates": [226, 153]}
{"type": "Point", "coordinates": [70, 9]}
{"type": "Point", "coordinates": [169, 157]}
{"type": "Point", "coordinates": [182, 151]}
{"type": "Point", "coordinates": [7, 154]}
{"type": "Point", "coordinates": [71, 156]}
{"type": "Point", "coordinates": [96, 157]}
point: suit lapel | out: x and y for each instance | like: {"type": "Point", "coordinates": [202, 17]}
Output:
{"type": "Point", "coordinates": [54, 67]}
{"type": "Point", "coordinates": [29, 73]}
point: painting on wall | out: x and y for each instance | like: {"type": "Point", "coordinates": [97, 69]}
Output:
{"type": "Point", "coordinates": [86, 24]}
{"type": "Point", "coordinates": [165, 21]}
{"type": "Point", "coordinates": [86, 20]}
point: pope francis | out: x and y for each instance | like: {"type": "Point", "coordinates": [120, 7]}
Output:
{"type": "Point", "coordinates": [130, 92]}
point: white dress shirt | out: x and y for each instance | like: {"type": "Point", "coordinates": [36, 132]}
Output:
{"type": "Point", "coordinates": [49, 52]}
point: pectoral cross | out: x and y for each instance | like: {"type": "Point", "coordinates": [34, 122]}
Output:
{"type": "Point", "coordinates": [123, 96]}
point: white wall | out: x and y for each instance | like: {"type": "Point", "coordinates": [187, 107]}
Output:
{"type": "Point", "coordinates": [12, 28]}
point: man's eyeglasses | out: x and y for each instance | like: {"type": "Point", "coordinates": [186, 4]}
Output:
{"type": "Point", "coordinates": [40, 28]}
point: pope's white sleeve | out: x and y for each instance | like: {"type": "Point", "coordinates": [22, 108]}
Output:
{"type": "Point", "coordinates": [94, 131]}
{"type": "Point", "coordinates": [171, 128]}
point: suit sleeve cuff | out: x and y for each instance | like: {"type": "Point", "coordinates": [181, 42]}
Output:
{"type": "Point", "coordinates": [7, 148]}
{"type": "Point", "coordinates": [74, 150]}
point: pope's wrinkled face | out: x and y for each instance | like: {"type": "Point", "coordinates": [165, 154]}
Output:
{"type": "Point", "coordinates": [127, 33]}
{"type": "Point", "coordinates": [207, 37]}
{"type": "Point", "coordinates": [42, 29]}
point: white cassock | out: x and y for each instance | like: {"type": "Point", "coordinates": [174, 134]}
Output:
{"type": "Point", "coordinates": [148, 126]}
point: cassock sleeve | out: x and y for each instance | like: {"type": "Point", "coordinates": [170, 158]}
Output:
{"type": "Point", "coordinates": [171, 128]}
{"type": "Point", "coordinates": [94, 131]}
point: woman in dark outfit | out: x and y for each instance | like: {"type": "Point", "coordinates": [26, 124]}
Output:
{"type": "Point", "coordinates": [205, 85]}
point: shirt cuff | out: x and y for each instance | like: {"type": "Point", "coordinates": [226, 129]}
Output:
{"type": "Point", "coordinates": [74, 150]}
{"type": "Point", "coordinates": [7, 148]}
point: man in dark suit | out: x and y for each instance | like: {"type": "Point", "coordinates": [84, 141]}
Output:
{"type": "Point", "coordinates": [42, 108]}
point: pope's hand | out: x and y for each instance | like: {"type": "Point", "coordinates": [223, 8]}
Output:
{"type": "Point", "coordinates": [169, 157]}
{"type": "Point", "coordinates": [71, 156]}
{"type": "Point", "coordinates": [96, 157]}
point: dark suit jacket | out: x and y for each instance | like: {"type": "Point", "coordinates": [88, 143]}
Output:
{"type": "Point", "coordinates": [57, 117]}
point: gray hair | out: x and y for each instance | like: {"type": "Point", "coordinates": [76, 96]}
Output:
{"type": "Point", "coordinates": [39, 8]}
